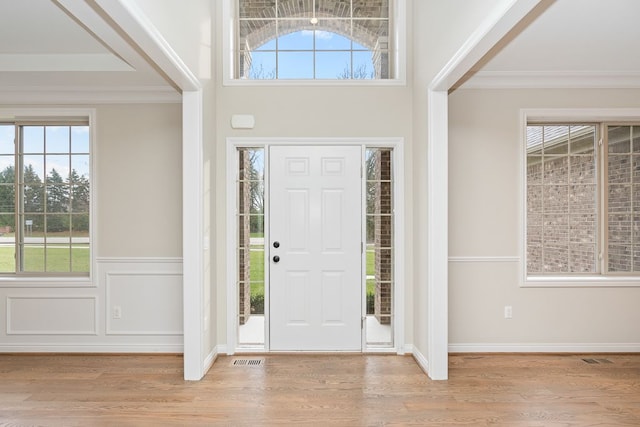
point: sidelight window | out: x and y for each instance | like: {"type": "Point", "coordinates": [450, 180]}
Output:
{"type": "Point", "coordinates": [250, 266]}
{"type": "Point", "coordinates": [379, 246]}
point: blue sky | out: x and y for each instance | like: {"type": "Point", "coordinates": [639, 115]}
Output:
{"type": "Point", "coordinates": [57, 140]}
{"type": "Point", "coordinates": [296, 56]}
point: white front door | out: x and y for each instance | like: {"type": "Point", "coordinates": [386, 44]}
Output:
{"type": "Point", "coordinates": [315, 248]}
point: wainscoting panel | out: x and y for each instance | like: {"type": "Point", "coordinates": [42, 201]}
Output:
{"type": "Point", "coordinates": [130, 305]}
{"type": "Point", "coordinates": [51, 315]}
{"type": "Point", "coordinates": [142, 298]}
{"type": "Point", "coordinates": [144, 303]}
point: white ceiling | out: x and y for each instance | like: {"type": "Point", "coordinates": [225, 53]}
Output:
{"type": "Point", "coordinates": [571, 43]}
{"type": "Point", "coordinates": [45, 52]}
{"type": "Point", "coordinates": [577, 35]}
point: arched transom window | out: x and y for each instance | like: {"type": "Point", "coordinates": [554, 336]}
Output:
{"type": "Point", "coordinates": [312, 39]}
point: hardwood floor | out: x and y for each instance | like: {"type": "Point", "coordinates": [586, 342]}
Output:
{"type": "Point", "coordinates": [353, 390]}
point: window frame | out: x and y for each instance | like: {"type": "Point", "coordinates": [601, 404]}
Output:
{"type": "Point", "coordinates": [601, 118]}
{"type": "Point", "coordinates": [397, 57]}
{"type": "Point", "coordinates": [69, 117]}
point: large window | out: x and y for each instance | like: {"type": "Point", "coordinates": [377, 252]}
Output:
{"type": "Point", "coordinates": [583, 199]}
{"type": "Point", "coordinates": [44, 198]}
{"type": "Point", "coordinates": [312, 39]}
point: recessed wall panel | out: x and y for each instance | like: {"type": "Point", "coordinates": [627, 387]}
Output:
{"type": "Point", "coordinates": [53, 315]}
{"type": "Point", "coordinates": [148, 303]}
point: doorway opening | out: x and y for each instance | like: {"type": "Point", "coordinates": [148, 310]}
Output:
{"type": "Point", "coordinates": [379, 288]}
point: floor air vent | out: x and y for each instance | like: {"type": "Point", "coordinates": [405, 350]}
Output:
{"type": "Point", "coordinates": [247, 362]}
{"type": "Point", "coordinates": [596, 361]}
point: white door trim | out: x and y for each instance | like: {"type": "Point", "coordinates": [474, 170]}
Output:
{"type": "Point", "coordinates": [232, 144]}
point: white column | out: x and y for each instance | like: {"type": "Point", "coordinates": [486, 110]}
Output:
{"type": "Point", "coordinates": [437, 235]}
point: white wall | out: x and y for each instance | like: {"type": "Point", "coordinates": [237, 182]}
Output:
{"type": "Point", "coordinates": [485, 233]}
{"type": "Point", "coordinates": [438, 28]}
{"type": "Point", "coordinates": [138, 244]}
{"type": "Point", "coordinates": [187, 27]}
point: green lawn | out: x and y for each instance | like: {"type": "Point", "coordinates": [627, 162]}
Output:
{"type": "Point", "coordinates": [57, 260]}
{"type": "Point", "coordinates": [256, 258]}
{"type": "Point", "coordinates": [371, 263]}
{"type": "Point", "coordinates": [371, 286]}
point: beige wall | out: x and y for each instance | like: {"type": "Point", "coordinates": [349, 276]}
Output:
{"type": "Point", "coordinates": [484, 187]}
{"type": "Point", "coordinates": [299, 111]}
{"type": "Point", "coordinates": [485, 222]}
{"type": "Point", "coordinates": [138, 244]}
{"type": "Point", "coordinates": [306, 112]}
{"type": "Point", "coordinates": [139, 180]}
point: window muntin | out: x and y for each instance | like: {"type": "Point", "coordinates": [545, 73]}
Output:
{"type": "Point", "coordinates": [561, 199]}
{"type": "Point", "coordinates": [582, 193]}
{"type": "Point", "coordinates": [7, 198]}
{"type": "Point", "coordinates": [623, 199]}
{"type": "Point", "coordinates": [45, 206]}
{"type": "Point", "coordinates": [312, 40]}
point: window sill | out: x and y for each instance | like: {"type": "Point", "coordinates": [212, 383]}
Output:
{"type": "Point", "coordinates": [46, 282]}
{"type": "Point", "coordinates": [310, 82]}
{"type": "Point", "coordinates": [581, 282]}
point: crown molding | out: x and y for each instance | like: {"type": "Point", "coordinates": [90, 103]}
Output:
{"type": "Point", "coordinates": [553, 80]}
{"type": "Point", "coordinates": [45, 95]}
{"type": "Point", "coordinates": [500, 21]}
{"type": "Point", "coordinates": [84, 62]}
{"type": "Point", "coordinates": [144, 36]}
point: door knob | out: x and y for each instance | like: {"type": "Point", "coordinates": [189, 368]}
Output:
{"type": "Point", "coordinates": [276, 244]}
{"type": "Point", "coordinates": [276, 258]}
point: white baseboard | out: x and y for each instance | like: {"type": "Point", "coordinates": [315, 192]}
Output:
{"type": "Point", "coordinates": [420, 359]}
{"type": "Point", "coordinates": [405, 349]}
{"type": "Point", "coordinates": [93, 348]}
{"type": "Point", "coordinates": [546, 348]}
{"type": "Point", "coordinates": [210, 360]}
{"type": "Point", "coordinates": [221, 349]}
{"type": "Point", "coordinates": [402, 350]}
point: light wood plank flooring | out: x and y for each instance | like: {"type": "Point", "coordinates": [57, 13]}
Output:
{"type": "Point", "coordinates": [350, 390]}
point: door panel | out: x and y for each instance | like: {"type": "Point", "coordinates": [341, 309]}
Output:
{"type": "Point", "coordinates": [315, 215]}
